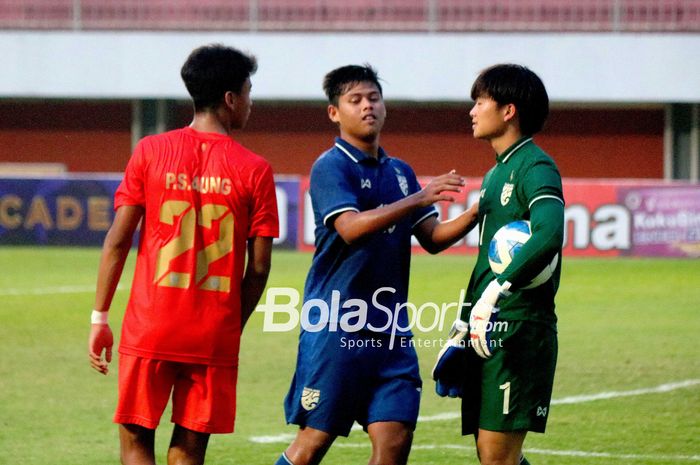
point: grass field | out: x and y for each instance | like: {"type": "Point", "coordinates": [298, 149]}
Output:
{"type": "Point", "coordinates": [627, 386]}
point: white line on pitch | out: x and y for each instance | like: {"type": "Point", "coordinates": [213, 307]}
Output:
{"type": "Point", "coordinates": [287, 437]}
{"type": "Point", "coordinates": [634, 392]}
{"type": "Point", "coordinates": [79, 289]}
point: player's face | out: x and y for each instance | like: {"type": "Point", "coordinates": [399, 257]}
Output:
{"type": "Point", "coordinates": [360, 112]}
{"type": "Point", "coordinates": [488, 118]}
{"type": "Point", "coordinates": [242, 106]}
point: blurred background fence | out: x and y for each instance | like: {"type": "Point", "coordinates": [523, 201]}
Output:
{"type": "Point", "coordinates": [343, 15]}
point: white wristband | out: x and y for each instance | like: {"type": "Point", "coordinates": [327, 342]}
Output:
{"type": "Point", "coordinates": [99, 318]}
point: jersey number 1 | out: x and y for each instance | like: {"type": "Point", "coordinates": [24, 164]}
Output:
{"type": "Point", "coordinates": [183, 242]}
{"type": "Point", "coordinates": [505, 387]}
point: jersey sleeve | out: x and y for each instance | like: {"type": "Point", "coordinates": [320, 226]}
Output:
{"type": "Point", "coordinates": [542, 191]}
{"type": "Point", "coordinates": [264, 221]}
{"type": "Point", "coordinates": [547, 225]}
{"type": "Point", "coordinates": [424, 213]}
{"type": "Point", "coordinates": [541, 181]}
{"type": "Point", "coordinates": [331, 189]}
{"type": "Point", "coordinates": [131, 190]}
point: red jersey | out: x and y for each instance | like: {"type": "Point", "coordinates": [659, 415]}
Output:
{"type": "Point", "coordinates": [204, 195]}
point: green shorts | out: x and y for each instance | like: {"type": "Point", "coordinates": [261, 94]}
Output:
{"type": "Point", "coordinates": [511, 390]}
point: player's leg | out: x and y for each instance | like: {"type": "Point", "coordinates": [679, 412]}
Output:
{"type": "Point", "coordinates": [523, 460]}
{"type": "Point", "coordinates": [324, 396]}
{"type": "Point", "coordinates": [187, 447]}
{"type": "Point", "coordinates": [204, 402]}
{"type": "Point", "coordinates": [394, 400]}
{"type": "Point", "coordinates": [391, 442]}
{"type": "Point", "coordinates": [136, 445]}
{"type": "Point", "coordinates": [308, 448]}
{"type": "Point", "coordinates": [516, 389]}
{"type": "Point", "coordinates": [144, 389]}
{"type": "Point", "coordinates": [500, 448]}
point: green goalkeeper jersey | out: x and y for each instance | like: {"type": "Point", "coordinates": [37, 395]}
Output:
{"type": "Point", "coordinates": [525, 184]}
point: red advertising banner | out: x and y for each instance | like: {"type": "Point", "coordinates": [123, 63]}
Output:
{"type": "Point", "coordinates": [594, 222]}
{"type": "Point", "coordinates": [602, 218]}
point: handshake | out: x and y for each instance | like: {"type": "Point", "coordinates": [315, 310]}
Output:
{"type": "Point", "coordinates": [449, 371]}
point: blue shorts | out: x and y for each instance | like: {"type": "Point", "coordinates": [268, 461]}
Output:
{"type": "Point", "coordinates": [344, 377]}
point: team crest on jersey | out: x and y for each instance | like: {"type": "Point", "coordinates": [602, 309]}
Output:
{"type": "Point", "coordinates": [310, 398]}
{"type": "Point", "coordinates": [506, 193]}
{"type": "Point", "coordinates": [403, 182]}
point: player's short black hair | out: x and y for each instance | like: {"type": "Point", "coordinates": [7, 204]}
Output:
{"type": "Point", "coordinates": [340, 80]}
{"type": "Point", "coordinates": [516, 84]}
{"type": "Point", "coordinates": [212, 70]}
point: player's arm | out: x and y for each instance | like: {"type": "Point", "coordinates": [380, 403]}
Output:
{"type": "Point", "coordinates": [541, 186]}
{"type": "Point", "coordinates": [436, 236]}
{"type": "Point", "coordinates": [114, 252]}
{"type": "Point", "coordinates": [256, 273]}
{"type": "Point", "coordinates": [353, 226]}
{"type": "Point", "coordinates": [547, 225]}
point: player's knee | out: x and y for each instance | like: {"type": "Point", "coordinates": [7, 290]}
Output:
{"type": "Point", "coordinates": [497, 458]}
{"type": "Point", "coordinates": [501, 451]}
{"type": "Point", "coordinates": [136, 444]}
{"type": "Point", "coordinates": [304, 454]}
{"type": "Point", "coordinates": [308, 448]}
{"type": "Point", "coordinates": [392, 449]}
{"type": "Point", "coordinates": [489, 461]}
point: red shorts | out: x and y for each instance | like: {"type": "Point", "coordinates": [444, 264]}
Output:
{"type": "Point", "coordinates": [204, 397]}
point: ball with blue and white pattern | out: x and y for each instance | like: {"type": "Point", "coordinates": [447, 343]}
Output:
{"type": "Point", "coordinates": [507, 242]}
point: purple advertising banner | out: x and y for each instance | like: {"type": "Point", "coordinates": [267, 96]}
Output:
{"type": "Point", "coordinates": [665, 220]}
{"type": "Point", "coordinates": [287, 189]}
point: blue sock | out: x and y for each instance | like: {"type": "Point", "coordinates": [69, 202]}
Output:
{"type": "Point", "coordinates": [283, 460]}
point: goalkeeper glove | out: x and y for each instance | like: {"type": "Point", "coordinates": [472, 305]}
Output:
{"type": "Point", "coordinates": [449, 371]}
{"type": "Point", "coordinates": [484, 314]}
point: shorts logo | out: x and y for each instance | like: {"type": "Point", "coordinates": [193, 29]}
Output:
{"type": "Point", "coordinates": [310, 398]}
{"type": "Point", "coordinates": [506, 193]}
{"type": "Point", "coordinates": [541, 411]}
{"type": "Point", "coordinates": [365, 184]}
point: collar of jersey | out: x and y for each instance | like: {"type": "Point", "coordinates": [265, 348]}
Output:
{"type": "Point", "coordinates": [205, 135]}
{"type": "Point", "coordinates": [357, 155]}
{"type": "Point", "coordinates": [505, 156]}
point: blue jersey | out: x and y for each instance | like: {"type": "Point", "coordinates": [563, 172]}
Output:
{"type": "Point", "coordinates": [375, 269]}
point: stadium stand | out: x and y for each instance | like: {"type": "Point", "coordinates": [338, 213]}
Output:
{"type": "Point", "coordinates": [341, 15]}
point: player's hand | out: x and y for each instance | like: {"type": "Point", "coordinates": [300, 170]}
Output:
{"type": "Point", "coordinates": [436, 189]}
{"type": "Point", "coordinates": [449, 371]}
{"type": "Point", "coordinates": [101, 339]}
{"type": "Point", "coordinates": [483, 315]}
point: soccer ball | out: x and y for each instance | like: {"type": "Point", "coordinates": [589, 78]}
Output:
{"type": "Point", "coordinates": [507, 242]}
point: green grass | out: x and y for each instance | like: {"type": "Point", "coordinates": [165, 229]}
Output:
{"type": "Point", "coordinates": [624, 324]}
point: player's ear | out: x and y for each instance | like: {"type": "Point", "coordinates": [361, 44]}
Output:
{"type": "Point", "coordinates": [230, 99]}
{"type": "Point", "coordinates": [333, 113]}
{"type": "Point", "coordinates": [509, 112]}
